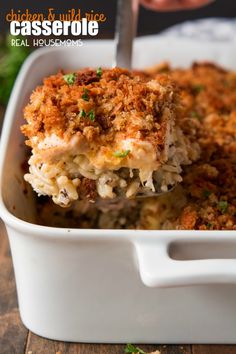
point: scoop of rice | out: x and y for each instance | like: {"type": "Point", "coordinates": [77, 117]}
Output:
{"type": "Point", "coordinates": [103, 134]}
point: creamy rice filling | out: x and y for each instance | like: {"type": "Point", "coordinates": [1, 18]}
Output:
{"type": "Point", "coordinates": [61, 177]}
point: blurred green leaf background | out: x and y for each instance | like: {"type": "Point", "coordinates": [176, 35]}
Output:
{"type": "Point", "coordinates": [11, 59]}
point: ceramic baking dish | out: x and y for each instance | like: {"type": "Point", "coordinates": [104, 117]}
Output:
{"type": "Point", "coordinates": [114, 285]}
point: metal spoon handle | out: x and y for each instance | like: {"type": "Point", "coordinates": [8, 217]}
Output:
{"type": "Point", "coordinates": [126, 26]}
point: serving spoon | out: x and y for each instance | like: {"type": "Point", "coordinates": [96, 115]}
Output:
{"type": "Point", "coordinates": [126, 28]}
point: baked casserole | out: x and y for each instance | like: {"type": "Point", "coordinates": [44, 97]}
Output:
{"type": "Point", "coordinates": [105, 134]}
{"type": "Point", "coordinates": [148, 131]}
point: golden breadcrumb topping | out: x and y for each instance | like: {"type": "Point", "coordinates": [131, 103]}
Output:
{"type": "Point", "coordinates": [208, 95]}
{"type": "Point", "coordinates": [101, 106]}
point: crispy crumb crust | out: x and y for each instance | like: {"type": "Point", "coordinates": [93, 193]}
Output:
{"type": "Point", "coordinates": [125, 105]}
{"type": "Point", "coordinates": [211, 193]}
{"type": "Point", "coordinates": [208, 95]}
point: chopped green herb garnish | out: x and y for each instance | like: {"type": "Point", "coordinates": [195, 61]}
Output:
{"type": "Point", "coordinates": [195, 115]}
{"type": "Point", "coordinates": [82, 113]}
{"type": "Point", "coordinates": [85, 95]}
{"type": "Point", "coordinates": [69, 78]}
{"type": "Point", "coordinates": [223, 206]}
{"type": "Point", "coordinates": [130, 349]}
{"type": "Point", "coordinates": [198, 88]}
{"type": "Point", "coordinates": [121, 153]}
{"type": "Point", "coordinates": [208, 225]}
{"type": "Point", "coordinates": [91, 115]}
{"type": "Point", "coordinates": [99, 72]}
{"type": "Point", "coordinates": [206, 193]}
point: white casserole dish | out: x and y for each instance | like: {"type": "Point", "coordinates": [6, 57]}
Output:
{"type": "Point", "coordinates": [114, 285]}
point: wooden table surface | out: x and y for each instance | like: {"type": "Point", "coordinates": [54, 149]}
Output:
{"type": "Point", "coordinates": [16, 339]}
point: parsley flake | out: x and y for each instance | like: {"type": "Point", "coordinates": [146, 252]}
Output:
{"type": "Point", "coordinates": [223, 206]}
{"type": "Point", "coordinates": [195, 115]}
{"type": "Point", "coordinates": [209, 225]}
{"type": "Point", "coordinates": [121, 153]}
{"type": "Point", "coordinates": [99, 72]}
{"type": "Point", "coordinates": [198, 88]}
{"type": "Point", "coordinates": [82, 113]}
{"type": "Point", "coordinates": [206, 193]}
{"type": "Point", "coordinates": [91, 115]}
{"type": "Point", "coordinates": [85, 95]}
{"type": "Point", "coordinates": [69, 78]}
{"type": "Point", "coordinates": [131, 349]}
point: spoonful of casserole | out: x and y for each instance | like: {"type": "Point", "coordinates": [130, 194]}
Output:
{"type": "Point", "coordinates": [103, 134]}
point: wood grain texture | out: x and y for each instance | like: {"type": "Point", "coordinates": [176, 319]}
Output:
{"type": "Point", "coordinates": [214, 349]}
{"type": "Point", "coordinates": [13, 334]}
{"type": "Point", "coordinates": [40, 345]}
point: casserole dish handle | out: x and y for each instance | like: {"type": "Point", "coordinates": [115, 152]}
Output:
{"type": "Point", "coordinates": [159, 269]}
